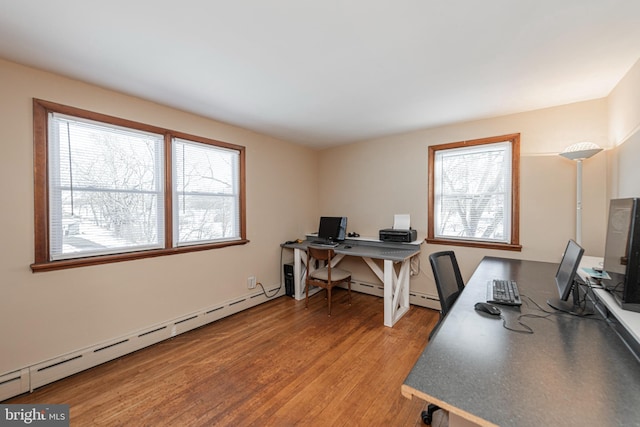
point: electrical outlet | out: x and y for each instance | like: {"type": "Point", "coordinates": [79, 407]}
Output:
{"type": "Point", "coordinates": [251, 282]}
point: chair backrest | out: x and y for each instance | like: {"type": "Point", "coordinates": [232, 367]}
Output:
{"type": "Point", "coordinates": [448, 278]}
{"type": "Point", "coordinates": [321, 254]}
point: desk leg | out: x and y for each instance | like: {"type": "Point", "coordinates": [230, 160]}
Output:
{"type": "Point", "coordinates": [396, 291]}
{"type": "Point", "coordinates": [396, 288]}
{"type": "Point", "coordinates": [297, 274]}
{"type": "Point", "coordinates": [389, 288]}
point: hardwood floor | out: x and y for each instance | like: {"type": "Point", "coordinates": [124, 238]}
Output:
{"type": "Point", "coordinates": [277, 364]}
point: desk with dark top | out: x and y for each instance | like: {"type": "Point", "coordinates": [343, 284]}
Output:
{"type": "Point", "coordinates": [571, 371]}
{"type": "Point", "coordinates": [396, 283]}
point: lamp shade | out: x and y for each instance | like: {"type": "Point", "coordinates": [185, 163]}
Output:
{"type": "Point", "coordinates": [581, 151]}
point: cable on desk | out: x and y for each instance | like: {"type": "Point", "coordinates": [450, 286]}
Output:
{"type": "Point", "coordinates": [538, 305]}
{"type": "Point", "coordinates": [615, 288]}
{"type": "Point", "coordinates": [550, 313]}
{"type": "Point", "coordinates": [591, 287]}
{"type": "Point", "coordinates": [583, 301]}
{"type": "Point", "coordinates": [527, 329]}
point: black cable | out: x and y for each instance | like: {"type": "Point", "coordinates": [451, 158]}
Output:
{"type": "Point", "coordinates": [527, 329]}
{"type": "Point", "coordinates": [552, 313]}
{"type": "Point", "coordinates": [583, 303]}
{"type": "Point", "coordinates": [538, 305]}
{"type": "Point", "coordinates": [281, 280]}
{"type": "Point", "coordinates": [615, 288]}
{"type": "Point", "coordinates": [265, 292]}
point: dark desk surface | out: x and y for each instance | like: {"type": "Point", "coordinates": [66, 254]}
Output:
{"type": "Point", "coordinates": [570, 371]}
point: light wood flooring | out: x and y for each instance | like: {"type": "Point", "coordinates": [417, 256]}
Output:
{"type": "Point", "coordinates": [277, 364]}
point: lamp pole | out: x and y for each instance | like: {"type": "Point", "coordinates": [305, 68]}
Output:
{"type": "Point", "coordinates": [579, 203]}
{"type": "Point", "coordinates": [579, 152]}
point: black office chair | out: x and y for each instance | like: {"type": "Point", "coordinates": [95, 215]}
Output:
{"type": "Point", "coordinates": [449, 284]}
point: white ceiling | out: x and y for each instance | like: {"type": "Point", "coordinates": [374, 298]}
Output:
{"type": "Point", "coordinates": [330, 72]}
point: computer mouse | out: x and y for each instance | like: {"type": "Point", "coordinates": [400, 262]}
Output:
{"type": "Point", "coordinates": [348, 246]}
{"type": "Point", "coordinates": [487, 308]}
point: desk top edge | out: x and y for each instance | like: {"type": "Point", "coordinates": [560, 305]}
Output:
{"type": "Point", "coordinates": [394, 251]}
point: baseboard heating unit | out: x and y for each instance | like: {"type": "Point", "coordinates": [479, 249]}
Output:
{"type": "Point", "coordinates": [31, 377]}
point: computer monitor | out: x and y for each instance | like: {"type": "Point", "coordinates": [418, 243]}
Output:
{"type": "Point", "coordinates": [332, 228]}
{"type": "Point", "coordinates": [566, 281]}
{"type": "Point", "coordinates": [622, 253]}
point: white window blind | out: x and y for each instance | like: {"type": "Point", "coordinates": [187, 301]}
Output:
{"type": "Point", "coordinates": [106, 188]}
{"type": "Point", "coordinates": [472, 193]}
{"type": "Point", "coordinates": [206, 193]}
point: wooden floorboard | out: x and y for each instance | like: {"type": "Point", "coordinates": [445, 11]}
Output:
{"type": "Point", "coordinates": [277, 364]}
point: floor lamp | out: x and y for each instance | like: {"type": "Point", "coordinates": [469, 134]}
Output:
{"type": "Point", "coordinates": [580, 152]}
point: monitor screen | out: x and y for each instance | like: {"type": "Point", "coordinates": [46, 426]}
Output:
{"type": "Point", "coordinates": [616, 252]}
{"type": "Point", "coordinates": [332, 228]}
{"type": "Point", "coordinates": [565, 279]}
{"type": "Point", "coordinates": [622, 253]}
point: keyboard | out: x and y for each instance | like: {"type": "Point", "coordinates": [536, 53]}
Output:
{"type": "Point", "coordinates": [324, 244]}
{"type": "Point", "coordinates": [503, 292]}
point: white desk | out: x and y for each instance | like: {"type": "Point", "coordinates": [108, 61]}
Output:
{"type": "Point", "coordinates": [629, 320]}
{"type": "Point", "coordinates": [396, 284]}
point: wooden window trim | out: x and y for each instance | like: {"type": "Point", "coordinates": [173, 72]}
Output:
{"type": "Point", "coordinates": [41, 109]}
{"type": "Point", "coordinates": [514, 244]}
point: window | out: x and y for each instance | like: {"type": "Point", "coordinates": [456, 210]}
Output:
{"type": "Point", "coordinates": [474, 193]}
{"type": "Point", "coordinates": [108, 189]}
{"type": "Point", "coordinates": [206, 193]}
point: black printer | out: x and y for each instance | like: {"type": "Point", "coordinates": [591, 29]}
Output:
{"type": "Point", "coordinates": [394, 235]}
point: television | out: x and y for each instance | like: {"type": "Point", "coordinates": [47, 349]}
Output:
{"type": "Point", "coordinates": [332, 229]}
{"type": "Point", "coordinates": [567, 283]}
{"type": "Point", "coordinates": [622, 253]}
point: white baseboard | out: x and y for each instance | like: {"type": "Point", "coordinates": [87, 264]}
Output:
{"type": "Point", "coordinates": [31, 377]}
{"type": "Point", "coordinates": [415, 298]}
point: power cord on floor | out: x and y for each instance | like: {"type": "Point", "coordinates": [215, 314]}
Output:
{"type": "Point", "coordinates": [275, 291]}
{"type": "Point", "coordinates": [265, 292]}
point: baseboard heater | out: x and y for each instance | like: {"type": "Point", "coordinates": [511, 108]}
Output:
{"type": "Point", "coordinates": [415, 298]}
{"type": "Point", "coordinates": [30, 378]}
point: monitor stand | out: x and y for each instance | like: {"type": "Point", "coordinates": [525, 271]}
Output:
{"type": "Point", "coordinates": [571, 307]}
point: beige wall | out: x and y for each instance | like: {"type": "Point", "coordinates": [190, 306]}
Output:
{"type": "Point", "coordinates": [48, 314]}
{"type": "Point", "coordinates": [624, 158]}
{"type": "Point", "coordinates": [371, 181]}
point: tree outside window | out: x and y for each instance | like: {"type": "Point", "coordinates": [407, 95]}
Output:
{"type": "Point", "coordinates": [109, 189]}
{"type": "Point", "coordinates": [473, 193]}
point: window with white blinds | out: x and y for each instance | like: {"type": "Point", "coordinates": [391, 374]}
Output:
{"type": "Point", "coordinates": [109, 189]}
{"type": "Point", "coordinates": [106, 188]}
{"type": "Point", "coordinates": [473, 192]}
{"type": "Point", "coordinates": [206, 193]}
